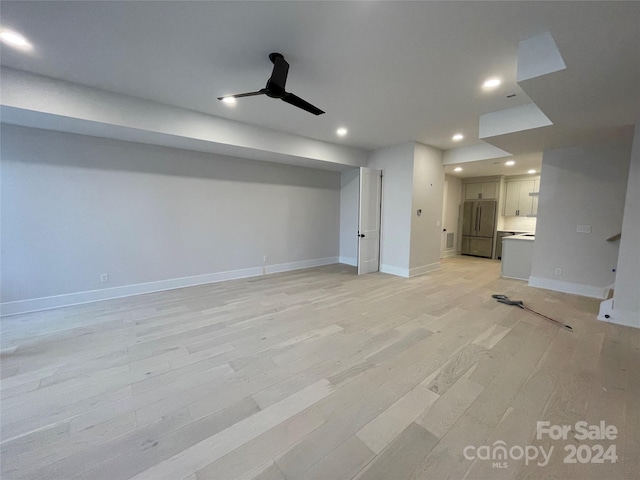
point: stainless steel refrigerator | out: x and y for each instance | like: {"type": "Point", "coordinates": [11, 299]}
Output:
{"type": "Point", "coordinates": [478, 227]}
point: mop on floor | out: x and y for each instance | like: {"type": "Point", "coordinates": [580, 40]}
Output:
{"type": "Point", "coordinates": [518, 303]}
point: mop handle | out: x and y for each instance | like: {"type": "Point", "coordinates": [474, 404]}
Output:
{"type": "Point", "coordinates": [549, 318]}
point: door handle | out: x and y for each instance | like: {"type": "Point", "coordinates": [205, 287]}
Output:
{"type": "Point", "coordinates": [361, 235]}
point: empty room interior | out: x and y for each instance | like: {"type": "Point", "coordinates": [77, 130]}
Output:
{"type": "Point", "coordinates": [320, 240]}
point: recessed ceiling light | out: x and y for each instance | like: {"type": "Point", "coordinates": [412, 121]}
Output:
{"type": "Point", "coordinates": [492, 83]}
{"type": "Point", "coordinates": [457, 137]}
{"type": "Point", "coordinates": [341, 132]}
{"type": "Point", "coordinates": [531, 171]}
{"type": "Point", "coordinates": [14, 39]}
{"type": "Point", "coordinates": [457, 169]}
{"type": "Point", "coordinates": [229, 100]}
{"type": "Point", "coordinates": [508, 163]}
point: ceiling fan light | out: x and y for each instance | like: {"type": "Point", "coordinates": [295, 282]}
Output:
{"type": "Point", "coordinates": [492, 83]}
{"type": "Point", "coordinates": [14, 39]}
{"type": "Point", "coordinates": [229, 100]}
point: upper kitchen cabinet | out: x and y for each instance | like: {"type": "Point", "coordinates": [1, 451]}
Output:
{"type": "Point", "coordinates": [481, 191]}
{"type": "Point", "coordinates": [519, 200]}
{"type": "Point", "coordinates": [534, 194]}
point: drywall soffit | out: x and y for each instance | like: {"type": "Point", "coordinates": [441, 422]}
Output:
{"type": "Point", "coordinates": [537, 56]}
{"type": "Point", "coordinates": [473, 153]}
{"type": "Point", "coordinates": [512, 120]}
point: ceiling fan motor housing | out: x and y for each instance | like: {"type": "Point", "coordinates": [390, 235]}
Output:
{"type": "Point", "coordinates": [274, 91]}
{"type": "Point", "coordinates": [276, 83]}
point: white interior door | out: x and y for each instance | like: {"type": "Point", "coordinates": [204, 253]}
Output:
{"type": "Point", "coordinates": [443, 239]}
{"type": "Point", "coordinates": [369, 220]}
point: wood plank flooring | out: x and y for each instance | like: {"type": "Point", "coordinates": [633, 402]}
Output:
{"type": "Point", "coordinates": [316, 374]}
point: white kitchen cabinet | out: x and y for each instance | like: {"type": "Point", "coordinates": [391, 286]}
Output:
{"type": "Point", "coordinates": [536, 190]}
{"type": "Point", "coordinates": [472, 191]}
{"type": "Point", "coordinates": [481, 191]}
{"type": "Point", "coordinates": [490, 190]}
{"type": "Point", "coordinates": [517, 199]}
{"type": "Point", "coordinates": [511, 198]}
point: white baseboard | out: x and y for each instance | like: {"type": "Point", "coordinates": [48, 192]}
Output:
{"type": "Point", "coordinates": [606, 308]}
{"type": "Point", "coordinates": [449, 253]}
{"type": "Point", "coordinates": [409, 272]}
{"type": "Point", "coordinates": [287, 267]}
{"type": "Point", "coordinates": [348, 261]}
{"type": "Point", "coordinates": [47, 303]}
{"type": "Point", "coordinates": [618, 317]}
{"type": "Point", "coordinates": [568, 287]}
{"type": "Point", "coordinates": [424, 269]}
{"type": "Point", "coordinates": [390, 269]}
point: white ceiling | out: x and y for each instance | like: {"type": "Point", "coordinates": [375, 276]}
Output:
{"type": "Point", "coordinates": [390, 72]}
{"type": "Point", "coordinates": [496, 166]}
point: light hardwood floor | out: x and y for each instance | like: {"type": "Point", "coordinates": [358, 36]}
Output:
{"type": "Point", "coordinates": [315, 374]}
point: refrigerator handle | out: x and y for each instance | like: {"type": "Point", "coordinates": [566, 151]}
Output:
{"type": "Point", "coordinates": [480, 219]}
{"type": "Point", "coordinates": [477, 226]}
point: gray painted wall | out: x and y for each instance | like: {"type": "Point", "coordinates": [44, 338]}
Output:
{"type": "Point", "coordinates": [428, 191]}
{"type": "Point", "coordinates": [580, 186]}
{"type": "Point", "coordinates": [74, 207]}
{"type": "Point", "coordinates": [413, 177]}
{"type": "Point", "coordinates": [627, 287]}
{"type": "Point", "coordinates": [396, 164]}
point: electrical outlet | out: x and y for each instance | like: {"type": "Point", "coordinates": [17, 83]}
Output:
{"type": "Point", "coordinates": [583, 229]}
{"type": "Point", "coordinates": [104, 278]}
{"type": "Point", "coordinates": [264, 259]}
{"type": "Point", "coordinates": [558, 272]}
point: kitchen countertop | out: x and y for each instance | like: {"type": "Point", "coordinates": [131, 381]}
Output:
{"type": "Point", "coordinates": [528, 237]}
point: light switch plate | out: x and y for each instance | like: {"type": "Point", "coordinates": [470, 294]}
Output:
{"type": "Point", "coordinates": [583, 229]}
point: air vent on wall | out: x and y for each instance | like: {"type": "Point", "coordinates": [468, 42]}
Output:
{"type": "Point", "coordinates": [450, 242]}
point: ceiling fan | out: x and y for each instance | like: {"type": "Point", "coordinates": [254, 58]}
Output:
{"type": "Point", "coordinates": [275, 87]}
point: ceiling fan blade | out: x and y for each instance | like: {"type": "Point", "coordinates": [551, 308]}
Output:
{"type": "Point", "coordinates": [248, 94]}
{"type": "Point", "coordinates": [280, 71]}
{"type": "Point", "coordinates": [300, 103]}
